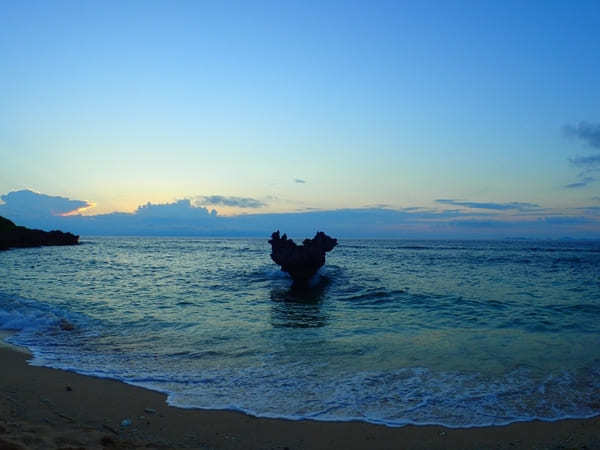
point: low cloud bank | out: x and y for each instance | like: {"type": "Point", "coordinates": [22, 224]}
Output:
{"type": "Point", "coordinates": [181, 209]}
{"type": "Point", "coordinates": [471, 220]}
{"type": "Point", "coordinates": [26, 207]}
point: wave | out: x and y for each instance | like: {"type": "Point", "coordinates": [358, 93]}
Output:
{"type": "Point", "coordinates": [19, 314]}
{"type": "Point", "coordinates": [393, 333]}
{"type": "Point", "coordinates": [418, 396]}
{"type": "Point", "coordinates": [415, 396]}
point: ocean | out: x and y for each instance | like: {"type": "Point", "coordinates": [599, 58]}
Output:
{"type": "Point", "coordinates": [394, 332]}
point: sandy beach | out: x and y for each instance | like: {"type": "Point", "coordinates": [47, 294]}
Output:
{"type": "Point", "coordinates": [42, 408]}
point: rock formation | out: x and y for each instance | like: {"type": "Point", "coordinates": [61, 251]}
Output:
{"type": "Point", "coordinates": [13, 236]}
{"type": "Point", "coordinates": [301, 261]}
{"type": "Point", "coordinates": [65, 325]}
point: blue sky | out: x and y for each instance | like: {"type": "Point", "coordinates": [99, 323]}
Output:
{"type": "Point", "coordinates": [281, 107]}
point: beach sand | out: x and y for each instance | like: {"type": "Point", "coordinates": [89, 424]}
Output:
{"type": "Point", "coordinates": [43, 408]}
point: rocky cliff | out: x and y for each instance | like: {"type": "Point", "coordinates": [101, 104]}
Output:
{"type": "Point", "coordinates": [13, 236]}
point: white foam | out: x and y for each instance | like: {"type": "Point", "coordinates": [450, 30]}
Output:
{"type": "Point", "coordinates": [410, 396]}
{"type": "Point", "coordinates": [20, 314]}
{"type": "Point", "coordinates": [37, 326]}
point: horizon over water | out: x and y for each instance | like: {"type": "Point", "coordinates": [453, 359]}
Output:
{"type": "Point", "coordinates": [449, 332]}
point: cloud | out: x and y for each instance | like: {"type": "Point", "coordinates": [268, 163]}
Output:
{"type": "Point", "coordinates": [185, 218]}
{"type": "Point", "coordinates": [518, 206]}
{"type": "Point", "coordinates": [27, 202]}
{"type": "Point", "coordinates": [567, 220]}
{"type": "Point", "coordinates": [299, 181]}
{"type": "Point", "coordinates": [586, 161]}
{"type": "Point", "coordinates": [237, 202]}
{"type": "Point", "coordinates": [582, 183]}
{"type": "Point", "coordinates": [381, 206]}
{"type": "Point", "coordinates": [179, 218]}
{"type": "Point", "coordinates": [586, 132]}
{"type": "Point", "coordinates": [176, 210]}
{"type": "Point", "coordinates": [594, 210]}
{"type": "Point", "coordinates": [590, 134]}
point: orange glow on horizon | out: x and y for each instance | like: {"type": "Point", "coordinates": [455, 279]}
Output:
{"type": "Point", "coordinates": [78, 211]}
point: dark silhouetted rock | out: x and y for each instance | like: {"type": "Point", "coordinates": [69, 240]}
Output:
{"type": "Point", "coordinates": [65, 325]}
{"type": "Point", "coordinates": [301, 261]}
{"type": "Point", "coordinates": [13, 236]}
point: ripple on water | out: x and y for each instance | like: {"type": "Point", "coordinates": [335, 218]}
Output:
{"type": "Point", "coordinates": [394, 332]}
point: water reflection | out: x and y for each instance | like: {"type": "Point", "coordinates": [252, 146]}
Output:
{"type": "Point", "coordinates": [299, 307]}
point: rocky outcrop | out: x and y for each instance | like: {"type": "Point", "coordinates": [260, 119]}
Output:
{"type": "Point", "coordinates": [301, 261]}
{"type": "Point", "coordinates": [65, 325]}
{"type": "Point", "coordinates": [13, 236]}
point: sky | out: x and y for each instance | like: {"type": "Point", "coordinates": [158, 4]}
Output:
{"type": "Point", "coordinates": [425, 113]}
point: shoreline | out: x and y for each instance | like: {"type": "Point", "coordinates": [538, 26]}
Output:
{"type": "Point", "coordinates": [43, 408]}
{"type": "Point", "coordinates": [4, 335]}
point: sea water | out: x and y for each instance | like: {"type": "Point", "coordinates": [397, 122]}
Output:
{"type": "Point", "coordinates": [457, 333]}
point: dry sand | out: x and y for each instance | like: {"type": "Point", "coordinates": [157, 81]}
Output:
{"type": "Point", "coordinates": [43, 408]}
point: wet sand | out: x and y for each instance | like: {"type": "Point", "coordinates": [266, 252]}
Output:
{"type": "Point", "coordinates": [43, 408]}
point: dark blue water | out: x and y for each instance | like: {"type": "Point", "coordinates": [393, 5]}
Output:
{"type": "Point", "coordinates": [447, 332]}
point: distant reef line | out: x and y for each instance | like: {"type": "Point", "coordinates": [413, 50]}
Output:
{"type": "Point", "coordinates": [14, 236]}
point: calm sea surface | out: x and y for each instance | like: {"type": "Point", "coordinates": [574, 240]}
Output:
{"type": "Point", "coordinates": [458, 333]}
